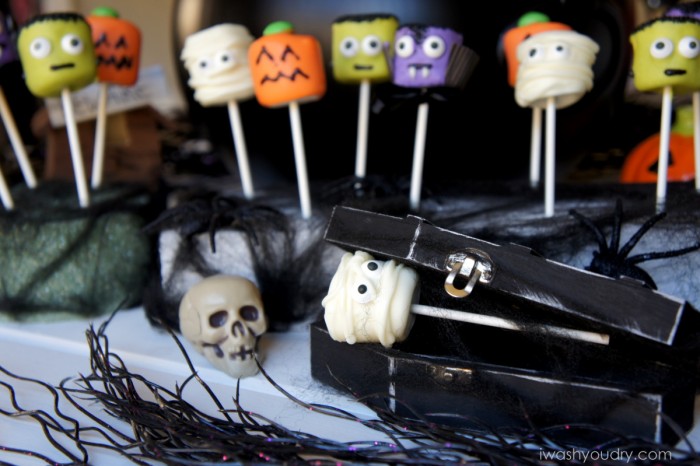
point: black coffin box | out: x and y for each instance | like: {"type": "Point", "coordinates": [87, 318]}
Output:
{"type": "Point", "coordinates": [483, 377]}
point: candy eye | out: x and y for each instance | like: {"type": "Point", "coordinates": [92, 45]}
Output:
{"type": "Point", "coordinates": [40, 47]}
{"type": "Point", "coordinates": [349, 47]}
{"type": "Point", "coordinates": [534, 53]}
{"type": "Point", "coordinates": [560, 51]}
{"type": "Point", "coordinates": [434, 46]}
{"type": "Point", "coordinates": [363, 293]}
{"type": "Point", "coordinates": [689, 47]}
{"type": "Point", "coordinates": [72, 44]}
{"type": "Point", "coordinates": [203, 64]}
{"type": "Point", "coordinates": [372, 269]}
{"type": "Point", "coordinates": [225, 59]}
{"type": "Point", "coordinates": [405, 46]}
{"type": "Point", "coordinates": [661, 48]}
{"type": "Point", "coordinates": [371, 45]}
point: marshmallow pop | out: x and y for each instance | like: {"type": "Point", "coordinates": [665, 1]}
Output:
{"type": "Point", "coordinates": [429, 56]}
{"type": "Point", "coordinates": [117, 45]}
{"type": "Point", "coordinates": [555, 71]}
{"type": "Point", "coordinates": [529, 24]}
{"type": "Point", "coordinates": [217, 61]}
{"type": "Point", "coordinates": [58, 57]}
{"type": "Point", "coordinates": [8, 54]}
{"type": "Point", "coordinates": [361, 54]}
{"type": "Point", "coordinates": [288, 69]}
{"type": "Point", "coordinates": [374, 301]}
{"type": "Point", "coordinates": [666, 59]}
{"type": "Point", "coordinates": [692, 10]}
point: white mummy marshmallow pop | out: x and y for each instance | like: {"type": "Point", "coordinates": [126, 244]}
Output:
{"type": "Point", "coordinates": [554, 72]}
{"type": "Point", "coordinates": [373, 301]}
{"type": "Point", "coordinates": [217, 61]}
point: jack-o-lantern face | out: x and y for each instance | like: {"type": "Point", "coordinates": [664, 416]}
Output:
{"type": "Point", "coordinates": [529, 24]}
{"type": "Point", "coordinates": [117, 47]}
{"type": "Point", "coordinates": [286, 67]}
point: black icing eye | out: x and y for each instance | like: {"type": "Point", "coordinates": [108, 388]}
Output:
{"type": "Point", "coordinates": [249, 313]}
{"type": "Point", "coordinates": [218, 319]}
{"type": "Point", "coordinates": [372, 266]}
{"type": "Point", "coordinates": [362, 289]}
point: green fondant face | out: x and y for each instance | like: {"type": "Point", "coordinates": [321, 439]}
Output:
{"type": "Point", "coordinates": [360, 48]}
{"type": "Point", "coordinates": [667, 53]}
{"type": "Point", "coordinates": [57, 53]}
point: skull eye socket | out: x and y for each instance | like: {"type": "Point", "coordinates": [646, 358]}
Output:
{"type": "Point", "coordinates": [249, 313]}
{"type": "Point", "coordinates": [218, 319]}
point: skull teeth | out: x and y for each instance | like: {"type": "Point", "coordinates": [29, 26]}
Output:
{"type": "Point", "coordinates": [242, 354]}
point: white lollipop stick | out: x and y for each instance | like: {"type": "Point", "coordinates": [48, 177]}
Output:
{"type": "Point", "coordinates": [16, 141]}
{"type": "Point", "coordinates": [664, 141]}
{"type": "Point", "coordinates": [550, 156]}
{"type": "Point", "coordinates": [696, 137]}
{"type": "Point", "coordinates": [498, 322]}
{"type": "Point", "coordinates": [5, 195]}
{"type": "Point", "coordinates": [362, 130]}
{"type": "Point", "coordinates": [75, 151]}
{"type": "Point", "coordinates": [241, 150]}
{"type": "Point", "coordinates": [300, 159]}
{"type": "Point", "coordinates": [535, 146]}
{"type": "Point", "coordinates": [418, 156]}
{"type": "Point", "coordinates": [98, 155]}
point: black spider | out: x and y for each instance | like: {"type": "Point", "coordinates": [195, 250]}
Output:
{"type": "Point", "coordinates": [613, 261]}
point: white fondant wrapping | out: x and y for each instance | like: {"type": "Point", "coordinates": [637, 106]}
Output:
{"type": "Point", "coordinates": [219, 83]}
{"type": "Point", "coordinates": [565, 75]}
{"type": "Point", "coordinates": [383, 313]}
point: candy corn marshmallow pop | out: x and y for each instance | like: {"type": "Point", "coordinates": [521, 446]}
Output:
{"type": "Point", "coordinates": [287, 70]}
{"type": "Point", "coordinates": [362, 50]}
{"type": "Point", "coordinates": [666, 59]}
{"type": "Point", "coordinates": [555, 71]}
{"type": "Point", "coordinates": [217, 61]}
{"type": "Point", "coordinates": [117, 45]}
{"type": "Point", "coordinates": [58, 57]}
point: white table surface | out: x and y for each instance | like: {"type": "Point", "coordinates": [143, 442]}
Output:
{"type": "Point", "coordinates": [53, 351]}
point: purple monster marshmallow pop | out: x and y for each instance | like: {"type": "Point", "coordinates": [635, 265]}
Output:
{"type": "Point", "coordinates": [425, 57]}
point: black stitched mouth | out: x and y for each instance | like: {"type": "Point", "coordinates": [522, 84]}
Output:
{"type": "Point", "coordinates": [363, 67]}
{"type": "Point", "coordinates": [674, 72]}
{"type": "Point", "coordinates": [62, 66]}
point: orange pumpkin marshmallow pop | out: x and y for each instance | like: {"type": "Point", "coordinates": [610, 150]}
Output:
{"type": "Point", "coordinates": [288, 69]}
{"type": "Point", "coordinates": [117, 45]}
{"type": "Point", "coordinates": [529, 24]}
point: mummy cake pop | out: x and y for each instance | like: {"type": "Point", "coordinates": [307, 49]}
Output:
{"type": "Point", "coordinates": [429, 56]}
{"type": "Point", "coordinates": [362, 53]}
{"type": "Point", "coordinates": [666, 59]}
{"type": "Point", "coordinates": [555, 71]}
{"type": "Point", "coordinates": [58, 57]}
{"type": "Point", "coordinates": [117, 45]}
{"type": "Point", "coordinates": [529, 24]}
{"type": "Point", "coordinates": [217, 61]}
{"type": "Point", "coordinates": [288, 69]}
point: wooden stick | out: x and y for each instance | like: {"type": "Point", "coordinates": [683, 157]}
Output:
{"type": "Point", "coordinates": [418, 156]}
{"type": "Point", "coordinates": [5, 195]}
{"type": "Point", "coordinates": [696, 137]}
{"type": "Point", "coordinates": [234, 115]}
{"type": "Point", "coordinates": [16, 141]}
{"type": "Point", "coordinates": [498, 322]}
{"type": "Point", "coordinates": [98, 155]}
{"type": "Point", "coordinates": [664, 141]}
{"type": "Point", "coordinates": [75, 150]}
{"type": "Point", "coordinates": [362, 130]}
{"type": "Point", "coordinates": [550, 156]}
{"type": "Point", "coordinates": [300, 160]}
{"type": "Point", "coordinates": [535, 146]}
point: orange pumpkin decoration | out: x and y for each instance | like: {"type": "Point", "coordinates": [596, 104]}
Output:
{"type": "Point", "coordinates": [286, 67]}
{"type": "Point", "coordinates": [117, 46]}
{"type": "Point", "coordinates": [529, 24]}
{"type": "Point", "coordinates": [641, 164]}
